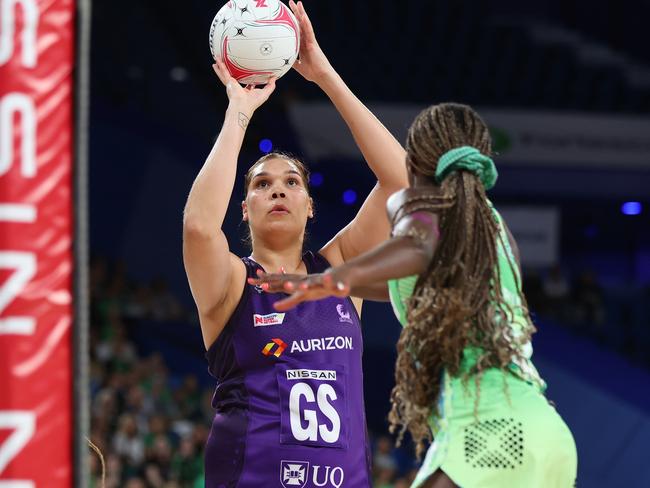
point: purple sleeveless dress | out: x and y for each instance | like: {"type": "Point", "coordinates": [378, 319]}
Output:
{"type": "Point", "coordinates": [289, 396]}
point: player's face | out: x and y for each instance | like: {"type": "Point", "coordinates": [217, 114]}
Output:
{"type": "Point", "coordinates": [277, 198]}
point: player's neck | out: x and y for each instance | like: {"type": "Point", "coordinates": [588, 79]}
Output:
{"type": "Point", "coordinates": [273, 259]}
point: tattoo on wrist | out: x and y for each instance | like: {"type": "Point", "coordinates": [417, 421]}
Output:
{"type": "Point", "coordinates": [243, 120]}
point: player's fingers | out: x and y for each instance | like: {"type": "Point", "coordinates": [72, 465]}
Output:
{"type": "Point", "coordinates": [217, 71]}
{"type": "Point", "coordinates": [342, 289]}
{"type": "Point", "coordinates": [224, 70]}
{"type": "Point", "coordinates": [308, 28]}
{"type": "Point", "coordinates": [221, 68]}
{"type": "Point", "coordinates": [298, 13]}
{"type": "Point", "coordinates": [270, 86]}
{"type": "Point", "coordinates": [328, 282]}
{"type": "Point", "coordinates": [338, 288]}
{"type": "Point", "coordinates": [263, 275]}
{"type": "Point", "coordinates": [294, 7]}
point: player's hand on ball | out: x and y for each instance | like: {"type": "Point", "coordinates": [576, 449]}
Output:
{"type": "Point", "coordinates": [312, 64]}
{"type": "Point", "coordinates": [247, 98]}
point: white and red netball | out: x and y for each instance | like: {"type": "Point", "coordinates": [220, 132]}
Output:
{"type": "Point", "coordinates": [256, 39]}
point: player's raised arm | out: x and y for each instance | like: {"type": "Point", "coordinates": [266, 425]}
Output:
{"type": "Point", "coordinates": [383, 153]}
{"type": "Point", "coordinates": [208, 262]}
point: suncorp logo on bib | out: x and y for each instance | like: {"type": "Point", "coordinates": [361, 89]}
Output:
{"type": "Point", "coordinates": [266, 320]}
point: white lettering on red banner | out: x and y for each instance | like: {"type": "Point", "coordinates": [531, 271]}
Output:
{"type": "Point", "coordinates": [27, 37]}
{"type": "Point", "coordinates": [36, 86]}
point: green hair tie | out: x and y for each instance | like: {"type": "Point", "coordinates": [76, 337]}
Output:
{"type": "Point", "coordinates": [467, 158]}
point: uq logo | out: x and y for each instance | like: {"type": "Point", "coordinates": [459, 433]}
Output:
{"type": "Point", "coordinates": [296, 474]}
{"type": "Point", "coordinates": [293, 474]}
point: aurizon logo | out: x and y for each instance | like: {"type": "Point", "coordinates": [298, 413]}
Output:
{"type": "Point", "coordinates": [269, 347]}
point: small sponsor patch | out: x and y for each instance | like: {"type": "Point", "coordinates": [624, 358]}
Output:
{"type": "Point", "coordinates": [312, 374]}
{"type": "Point", "coordinates": [344, 315]}
{"type": "Point", "coordinates": [266, 320]}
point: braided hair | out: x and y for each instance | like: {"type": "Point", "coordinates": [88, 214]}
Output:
{"type": "Point", "coordinates": [457, 302]}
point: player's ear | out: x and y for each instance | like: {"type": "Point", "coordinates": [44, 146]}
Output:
{"type": "Point", "coordinates": [244, 211]}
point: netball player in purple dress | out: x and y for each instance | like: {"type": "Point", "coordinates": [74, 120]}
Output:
{"type": "Point", "coordinates": [289, 397]}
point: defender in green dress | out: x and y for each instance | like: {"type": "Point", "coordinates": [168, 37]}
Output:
{"type": "Point", "coordinates": [464, 375]}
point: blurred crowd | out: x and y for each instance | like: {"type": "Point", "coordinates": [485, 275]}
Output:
{"type": "Point", "coordinates": [149, 425]}
{"type": "Point", "coordinates": [616, 317]}
{"type": "Point", "coordinates": [576, 302]}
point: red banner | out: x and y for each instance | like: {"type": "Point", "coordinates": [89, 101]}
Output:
{"type": "Point", "coordinates": [36, 83]}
